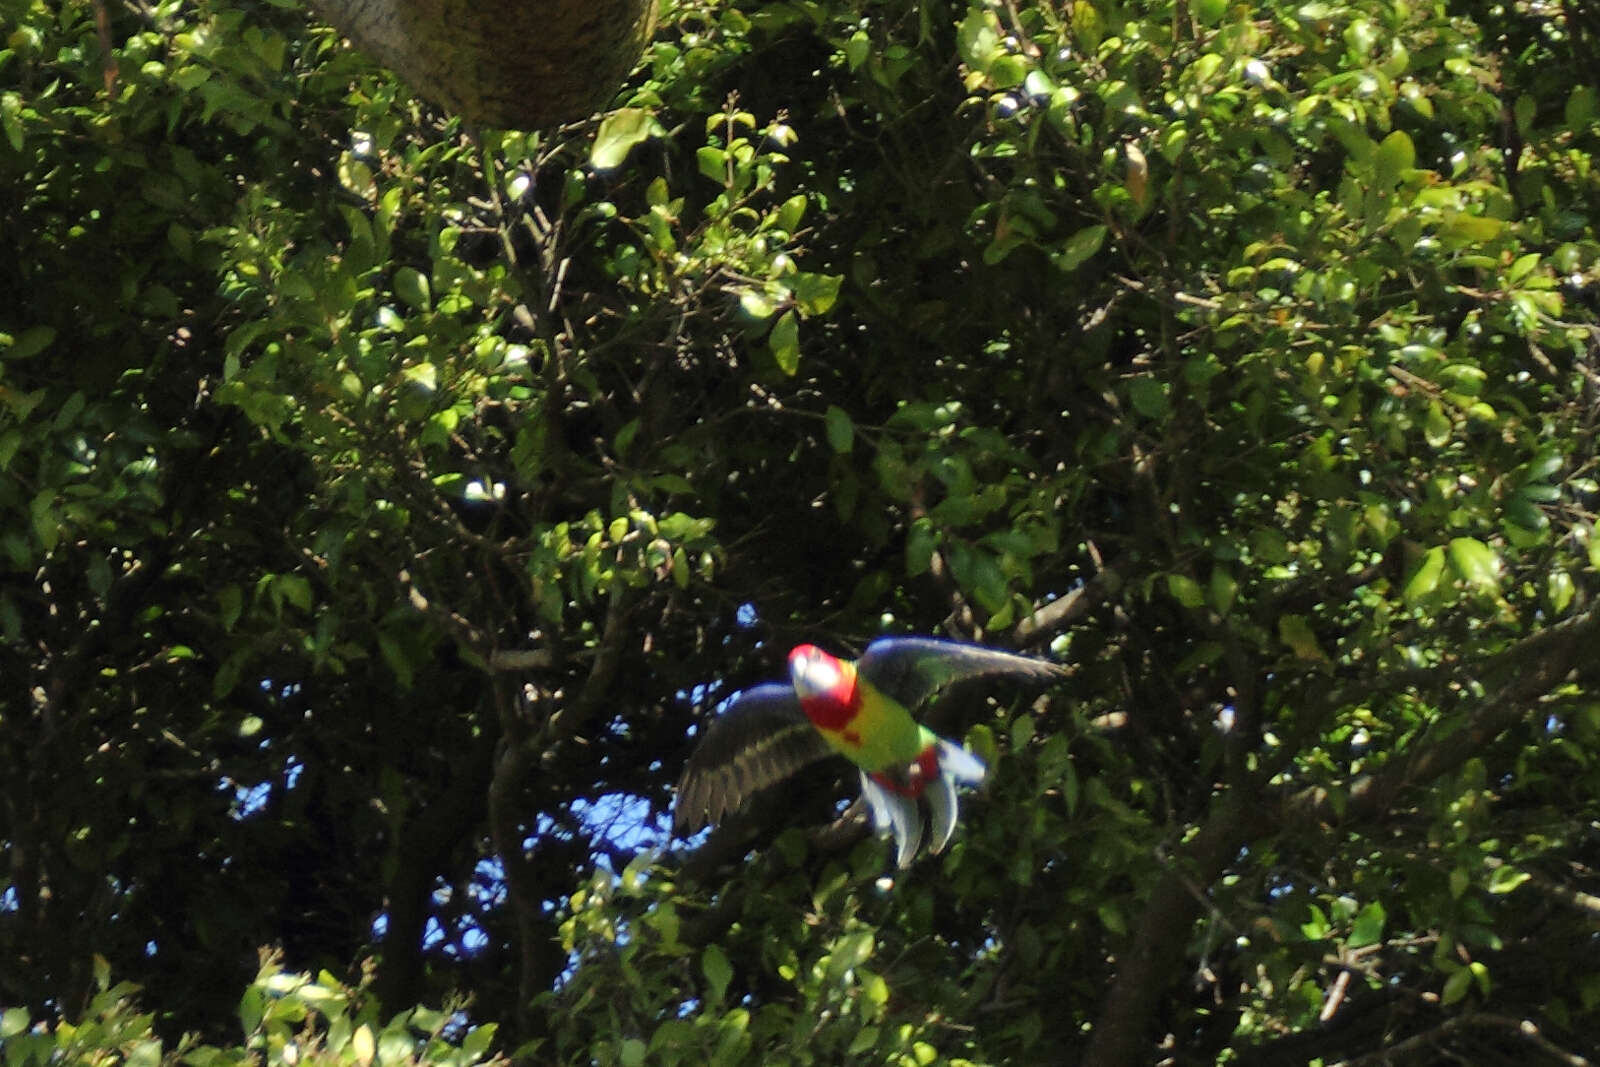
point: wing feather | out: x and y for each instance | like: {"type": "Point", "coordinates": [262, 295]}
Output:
{"type": "Point", "coordinates": [762, 738]}
{"type": "Point", "coordinates": [912, 669]}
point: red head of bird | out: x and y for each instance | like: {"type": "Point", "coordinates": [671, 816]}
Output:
{"type": "Point", "coordinates": [825, 685]}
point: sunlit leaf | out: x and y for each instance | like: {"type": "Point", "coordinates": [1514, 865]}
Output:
{"type": "Point", "coordinates": [1186, 590]}
{"type": "Point", "coordinates": [1079, 247]}
{"type": "Point", "coordinates": [1475, 563]}
{"type": "Point", "coordinates": [1424, 580]}
{"type": "Point", "coordinates": [619, 132]}
{"type": "Point", "coordinates": [411, 285]}
{"type": "Point", "coordinates": [1368, 927]}
{"type": "Point", "coordinates": [784, 340]}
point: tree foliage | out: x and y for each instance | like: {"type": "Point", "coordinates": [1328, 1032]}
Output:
{"type": "Point", "coordinates": [387, 500]}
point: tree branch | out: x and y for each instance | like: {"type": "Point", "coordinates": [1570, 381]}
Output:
{"type": "Point", "coordinates": [1237, 818]}
{"type": "Point", "coordinates": [1573, 898]}
{"type": "Point", "coordinates": [1119, 1035]}
{"type": "Point", "coordinates": [1050, 619]}
{"type": "Point", "coordinates": [472, 638]}
{"type": "Point", "coordinates": [1539, 662]}
{"type": "Point", "coordinates": [511, 761]}
{"type": "Point", "coordinates": [1522, 1028]}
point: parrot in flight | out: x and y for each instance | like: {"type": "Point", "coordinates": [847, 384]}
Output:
{"type": "Point", "coordinates": [860, 710]}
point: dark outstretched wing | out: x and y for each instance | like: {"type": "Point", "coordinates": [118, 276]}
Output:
{"type": "Point", "coordinates": [762, 738]}
{"type": "Point", "coordinates": [912, 669]}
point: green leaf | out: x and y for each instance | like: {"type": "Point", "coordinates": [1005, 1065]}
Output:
{"type": "Point", "coordinates": [851, 951]}
{"type": "Point", "coordinates": [1413, 94]}
{"type": "Point", "coordinates": [1559, 590]}
{"type": "Point", "coordinates": [1480, 974]}
{"type": "Point", "coordinates": [791, 212]}
{"type": "Point", "coordinates": [29, 342]}
{"type": "Point", "coordinates": [633, 1052]}
{"type": "Point", "coordinates": [619, 132]}
{"type": "Point", "coordinates": [295, 589]}
{"type": "Point", "coordinates": [1395, 155]}
{"type": "Point", "coordinates": [411, 285]}
{"type": "Point", "coordinates": [1545, 465]}
{"type": "Point", "coordinates": [1456, 986]}
{"type": "Point", "coordinates": [46, 519]}
{"type": "Point", "coordinates": [977, 39]}
{"type": "Point", "coordinates": [1186, 591]}
{"type": "Point", "coordinates": [1368, 927]}
{"type": "Point", "coordinates": [865, 1039]}
{"type": "Point", "coordinates": [1437, 427]}
{"type": "Point", "coordinates": [921, 542]}
{"type": "Point", "coordinates": [1079, 247]}
{"type": "Point", "coordinates": [1022, 731]}
{"type": "Point", "coordinates": [252, 1007]}
{"type": "Point", "coordinates": [1149, 397]}
{"type": "Point", "coordinates": [145, 1053]}
{"type": "Point", "coordinates": [757, 303]}
{"type": "Point", "coordinates": [1463, 230]}
{"type": "Point", "coordinates": [1522, 267]}
{"type": "Point", "coordinates": [857, 48]}
{"type": "Point", "coordinates": [13, 1021]}
{"type": "Point", "coordinates": [230, 603]}
{"type": "Point", "coordinates": [1523, 113]}
{"type": "Point", "coordinates": [228, 673]}
{"type": "Point", "coordinates": [1424, 581]}
{"type": "Point", "coordinates": [1476, 564]}
{"type": "Point", "coordinates": [784, 340]}
{"type": "Point", "coordinates": [1506, 879]}
{"type": "Point", "coordinates": [425, 375]}
{"type": "Point", "coordinates": [477, 1041]}
{"type": "Point", "coordinates": [1223, 590]}
{"type": "Point", "coordinates": [815, 294]}
{"type": "Point", "coordinates": [718, 971]}
{"type": "Point", "coordinates": [11, 118]}
{"type": "Point", "coordinates": [841, 431]}
{"type": "Point", "coordinates": [1580, 109]}
{"type": "Point", "coordinates": [395, 655]}
{"type": "Point", "coordinates": [1295, 631]}
{"type": "Point", "coordinates": [712, 162]}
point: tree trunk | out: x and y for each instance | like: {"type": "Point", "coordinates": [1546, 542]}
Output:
{"type": "Point", "coordinates": [510, 63]}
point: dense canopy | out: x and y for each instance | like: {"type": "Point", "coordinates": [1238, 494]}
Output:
{"type": "Point", "coordinates": [388, 500]}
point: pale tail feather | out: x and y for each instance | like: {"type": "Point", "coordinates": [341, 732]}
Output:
{"type": "Point", "coordinates": [891, 810]}
{"type": "Point", "coordinates": [900, 814]}
{"type": "Point", "coordinates": [877, 799]}
{"type": "Point", "coordinates": [942, 809]}
{"type": "Point", "coordinates": [956, 764]}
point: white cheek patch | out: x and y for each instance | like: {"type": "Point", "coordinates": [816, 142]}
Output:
{"type": "Point", "coordinates": [814, 677]}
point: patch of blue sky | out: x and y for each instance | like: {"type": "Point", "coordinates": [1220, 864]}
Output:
{"type": "Point", "coordinates": [624, 821]}
{"type": "Point", "coordinates": [251, 799]}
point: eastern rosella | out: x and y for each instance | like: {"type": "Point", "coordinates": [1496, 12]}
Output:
{"type": "Point", "coordinates": [861, 711]}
